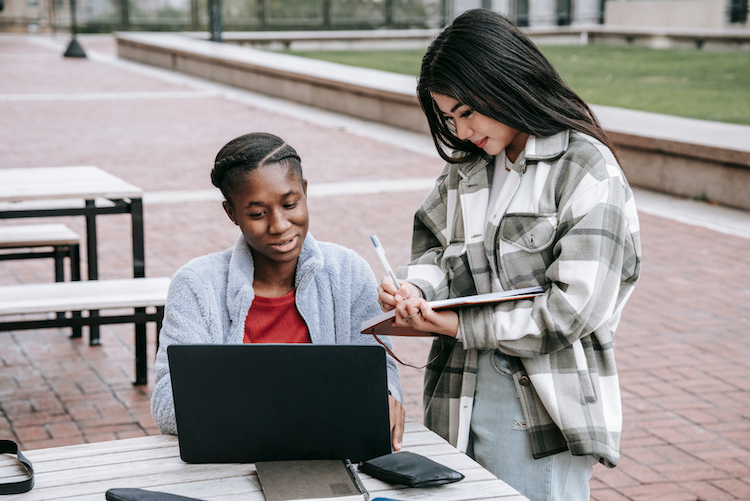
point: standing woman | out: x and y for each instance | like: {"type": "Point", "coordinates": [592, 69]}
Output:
{"type": "Point", "coordinates": [532, 195]}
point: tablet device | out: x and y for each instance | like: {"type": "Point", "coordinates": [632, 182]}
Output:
{"type": "Point", "coordinates": [268, 402]}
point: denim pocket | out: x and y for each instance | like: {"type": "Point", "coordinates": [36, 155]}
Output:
{"type": "Point", "coordinates": [501, 364]}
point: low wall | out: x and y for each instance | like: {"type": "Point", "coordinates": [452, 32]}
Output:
{"type": "Point", "coordinates": [370, 94]}
{"type": "Point", "coordinates": [654, 37]}
{"type": "Point", "coordinates": [692, 158]}
{"type": "Point", "coordinates": [329, 40]}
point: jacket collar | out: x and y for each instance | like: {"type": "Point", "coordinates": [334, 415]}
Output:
{"type": "Point", "coordinates": [543, 148]}
{"type": "Point", "coordinates": [242, 269]}
{"type": "Point", "coordinates": [536, 149]}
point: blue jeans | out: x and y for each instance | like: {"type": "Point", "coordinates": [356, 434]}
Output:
{"type": "Point", "coordinates": [498, 440]}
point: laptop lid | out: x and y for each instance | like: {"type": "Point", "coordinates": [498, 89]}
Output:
{"type": "Point", "coordinates": [267, 402]}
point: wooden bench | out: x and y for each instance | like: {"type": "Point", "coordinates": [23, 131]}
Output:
{"type": "Point", "coordinates": [136, 293]}
{"type": "Point", "coordinates": [64, 242]}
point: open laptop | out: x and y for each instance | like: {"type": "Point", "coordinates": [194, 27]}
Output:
{"type": "Point", "coordinates": [267, 402]}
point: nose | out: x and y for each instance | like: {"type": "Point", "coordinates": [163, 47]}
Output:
{"type": "Point", "coordinates": [278, 223]}
{"type": "Point", "coordinates": [463, 131]}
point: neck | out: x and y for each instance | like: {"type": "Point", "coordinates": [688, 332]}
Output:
{"type": "Point", "coordinates": [516, 146]}
{"type": "Point", "coordinates": [272, 279]}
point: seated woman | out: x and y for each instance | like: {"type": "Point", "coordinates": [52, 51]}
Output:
{"type": "Point", "coordinates": [277, 284]}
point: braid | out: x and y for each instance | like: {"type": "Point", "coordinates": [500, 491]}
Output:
{"type": "Point", "coordinates": [246, 153]}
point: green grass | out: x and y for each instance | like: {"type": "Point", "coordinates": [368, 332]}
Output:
{"type": "Point", "coordinates": [688, 83]}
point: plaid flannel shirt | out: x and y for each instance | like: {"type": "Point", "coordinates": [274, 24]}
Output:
{"type": "Point", "coordinates": [565, 220]}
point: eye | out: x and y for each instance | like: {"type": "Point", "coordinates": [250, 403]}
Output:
{"type": "Point", "coordinates": [257, 215]}
{"type": "Point", "coordinates": [451, 124]}
{"type": "Point", "coordinates": [467, 113]}
{"type": "Point", "coordinates": [291, 205]}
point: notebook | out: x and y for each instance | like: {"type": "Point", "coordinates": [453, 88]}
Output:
{"type": "Point", "coordinates": [383, 324]}
{"type": "Point", "coordinates": [271, 402]}
{"type": "Point", "coordinates": [322, 480]}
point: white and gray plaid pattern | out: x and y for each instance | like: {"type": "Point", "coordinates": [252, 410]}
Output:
{"type": "Point", "coordinates": [571, 226]}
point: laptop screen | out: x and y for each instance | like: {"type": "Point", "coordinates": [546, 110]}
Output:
{"type": "Point", "coordinates": [269, 402]}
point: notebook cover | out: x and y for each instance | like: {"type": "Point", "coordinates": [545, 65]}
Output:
{"type": "Point", "coordinates": [316, 479]}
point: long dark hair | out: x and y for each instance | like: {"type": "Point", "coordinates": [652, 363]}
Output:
{"type": "Point", "coordinates": [246, 153]}
{"type": "Point", "coordinates": [483, 61]}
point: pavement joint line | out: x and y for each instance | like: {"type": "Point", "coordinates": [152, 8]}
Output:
{"type": "Point", "coordinates": [721, 219]}
{"type": "Point", "coordinates": [107, 96]}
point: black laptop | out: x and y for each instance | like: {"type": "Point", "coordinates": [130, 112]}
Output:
{"type": "Point", "coordinates": [269, 402]}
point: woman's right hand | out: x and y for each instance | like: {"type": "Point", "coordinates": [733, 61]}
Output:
{"type": "Point", "coordinates": [389, 295]}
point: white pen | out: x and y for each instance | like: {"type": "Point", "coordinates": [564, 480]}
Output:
{"type": "Point", "coordinates": [381, 254]}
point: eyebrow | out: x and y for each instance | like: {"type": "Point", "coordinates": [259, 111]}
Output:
{"type": "Point", "coordinates": [456, 107]}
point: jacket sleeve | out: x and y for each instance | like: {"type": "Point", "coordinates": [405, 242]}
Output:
{"type": "Point", "coordinates": [186, 321]}
{"type": "Point", "coordinates": [429, 244]}
{"type": "Point", "coordinates": [596, 263]}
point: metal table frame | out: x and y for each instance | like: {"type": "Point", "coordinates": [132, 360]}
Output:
{"type": "Point", "coordinates": [132, 206]}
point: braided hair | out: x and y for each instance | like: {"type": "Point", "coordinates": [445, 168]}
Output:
{"type": "Point", "coordinates": [244, 154]}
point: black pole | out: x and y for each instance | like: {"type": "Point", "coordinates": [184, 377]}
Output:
{"type": "Point", "coordinates": [260, 10]}
{"type": "Point", "coordinates": [326, 14]}
{"type": "Point", "coordinates": [124, 15]}
{"type": "Point", "coordinates": [214, 19]}
{"type": "Point", "coordinates": [194, 14]}
{"type": "Point", "coordinates": [388, 5]}
{"type": "Point", "coordinates": [74, 48]}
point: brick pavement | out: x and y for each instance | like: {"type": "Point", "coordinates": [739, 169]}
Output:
{"type": "Point", "coordinates": [682, 346]}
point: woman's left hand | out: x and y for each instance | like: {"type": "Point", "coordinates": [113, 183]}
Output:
{"type": "Point", "coordinates": [398, 416]}
{"type": "Point", "coordinates": [417, 314]}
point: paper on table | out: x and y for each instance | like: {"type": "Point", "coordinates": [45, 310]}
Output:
{"type": "Point", "coordinates": [383, 323]}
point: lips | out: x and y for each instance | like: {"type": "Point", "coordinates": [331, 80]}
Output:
{"type": "Point", "coordinates": [482, 143]}
{"type": "Point", "coordinates": [286, 245]}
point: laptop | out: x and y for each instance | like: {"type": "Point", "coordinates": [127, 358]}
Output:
{"type": "Point", "coordinates": [271, 402]}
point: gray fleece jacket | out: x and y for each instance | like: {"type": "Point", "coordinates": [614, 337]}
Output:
{"type": "Point", "coordinates": [209, 299]}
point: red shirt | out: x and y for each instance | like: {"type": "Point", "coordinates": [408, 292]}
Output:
{"type": "Point", "coordinates": [275, 320]}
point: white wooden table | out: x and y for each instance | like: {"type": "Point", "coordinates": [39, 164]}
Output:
{"type": "Point", "coordinates": [85, 472]}
{"type": "Point", "coordinates": [75, 191]}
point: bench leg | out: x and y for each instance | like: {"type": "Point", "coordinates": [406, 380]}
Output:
{"type": "Point", "coordinates": [59, 256]}
{"type": "Point", "coordinates": [74, 254]}
{"type": "Point", "coordinates": [141, 371]}
{"type": "Point", "coordinates": [92, 262]}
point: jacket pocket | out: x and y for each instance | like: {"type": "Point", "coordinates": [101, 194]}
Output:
{"type": "Point", "coordinates": [530, 232]}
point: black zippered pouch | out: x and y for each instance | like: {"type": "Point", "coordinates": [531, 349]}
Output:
{"type": "Point", "coordinates": [409, 469]}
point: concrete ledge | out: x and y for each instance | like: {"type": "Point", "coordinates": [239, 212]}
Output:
{"type": "Point", "coordinates": [657, 38]}
{"type": "Point", "coordinates": [682, 156]}
{"type": "Point", "coordinates": [369, 94]}
{"type": "Point", "coordinates": [328, 40]}
{"type": "Point", "coordinates": [692, 158]}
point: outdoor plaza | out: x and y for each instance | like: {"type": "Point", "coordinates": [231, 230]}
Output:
{"type": "Point", "coordinates": [683, 345]}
